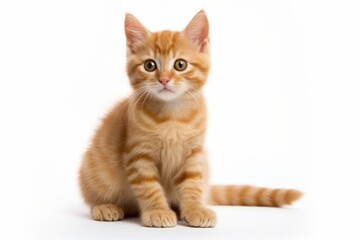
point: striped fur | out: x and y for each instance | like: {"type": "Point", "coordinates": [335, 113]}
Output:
{"type": "Point", "coordinates": [147, 156]}
{"type": "Point", "coordinates": [251, 196]}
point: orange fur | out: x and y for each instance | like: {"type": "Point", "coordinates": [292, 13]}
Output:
{"type": "Point", "coordinates": [245, 195]}
{"type": "Point", "coordinates": [147, 156]}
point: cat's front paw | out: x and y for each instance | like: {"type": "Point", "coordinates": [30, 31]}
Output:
{"type": "Point", "coordinates": [158, 218]}
{"type": "Point", "coordinates": [200, 217]}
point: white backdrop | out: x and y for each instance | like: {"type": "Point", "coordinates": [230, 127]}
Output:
{"type": "Point", "coordinates": [283, 99]}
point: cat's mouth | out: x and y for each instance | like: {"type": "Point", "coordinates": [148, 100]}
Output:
{"type": "Point", "coordinates": [167, 93]}
{"type": "Point", "coordinates": [166, 90]}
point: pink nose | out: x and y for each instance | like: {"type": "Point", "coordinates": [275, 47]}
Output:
{"type": "Point", "coordinates": [164, 81]}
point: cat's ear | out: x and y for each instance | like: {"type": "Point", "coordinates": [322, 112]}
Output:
{"type": "Point", "coordinates": [135, 32]}
{"type": "Point", "coordinates": [197, 31]}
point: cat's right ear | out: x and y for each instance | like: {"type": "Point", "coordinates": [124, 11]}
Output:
{"type": "Point", "coordinates": [135, 32]}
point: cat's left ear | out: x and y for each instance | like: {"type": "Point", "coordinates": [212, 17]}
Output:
{"type": "Point", "coordinates": [197, 31]}
{"type": "Point", "coordinates": [135, 32]}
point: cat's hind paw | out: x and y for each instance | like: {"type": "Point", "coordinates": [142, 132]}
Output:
{"type": "Point", "coordinates": [107, 212]}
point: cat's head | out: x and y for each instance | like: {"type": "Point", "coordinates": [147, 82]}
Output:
{"type": "Point", "coordinates": [168, 64]}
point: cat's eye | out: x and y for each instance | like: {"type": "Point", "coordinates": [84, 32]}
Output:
{"type": "Point", "coordinates": [150, 65]}
{"type": "Point", "coordinates": [180, 65]}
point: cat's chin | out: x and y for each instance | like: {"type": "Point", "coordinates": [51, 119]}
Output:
{"type": "Point", "coordinates": [167, 95]}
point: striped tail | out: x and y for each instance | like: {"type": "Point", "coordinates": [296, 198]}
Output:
{"type": "Point", "coordinates": [246, 195]}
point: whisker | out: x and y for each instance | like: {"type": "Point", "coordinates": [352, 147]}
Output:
{"type": "Point", "coordinates": [188, 93]}
{"type": "Point", "coordinates": [136, 97]}
{"type": "Point", "coordinates": [146, 96]}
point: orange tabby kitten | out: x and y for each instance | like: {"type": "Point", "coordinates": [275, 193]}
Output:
{"type": "Point", "coordinates": [147, 156]}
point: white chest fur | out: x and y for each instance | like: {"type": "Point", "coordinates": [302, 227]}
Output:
{"type": "Point", "coordinates": [172, 138]}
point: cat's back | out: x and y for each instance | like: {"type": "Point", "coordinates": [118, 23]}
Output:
{"type": "Point", "coordinates": [113, 128]}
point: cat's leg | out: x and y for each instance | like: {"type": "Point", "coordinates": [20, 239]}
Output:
{"type": "Point", "coordinates": [115, 206]}
{"type": "Point", "coordinates": [143, 177]}
{"type": "Point", "coordinates": [104, 193]}
{"type": "Point", "coordinates": [190, 185]}
{"type": "Point", "coordinates": [107, 212]}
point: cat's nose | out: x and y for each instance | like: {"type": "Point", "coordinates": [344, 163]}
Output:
{"type": "Point", "coordinates": [164, 81]}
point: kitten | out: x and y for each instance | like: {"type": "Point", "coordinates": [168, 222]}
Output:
{"type": "Point", "coordinates": [147, 157]}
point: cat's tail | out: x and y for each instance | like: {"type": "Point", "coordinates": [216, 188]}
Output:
{"type": "Point", "coordinates": [246, 195]}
